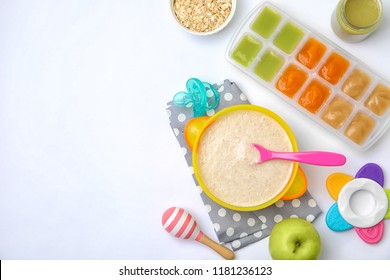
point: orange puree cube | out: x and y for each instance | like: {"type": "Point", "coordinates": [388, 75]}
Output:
{"type": "Point", "coordinates": [311, 53]}
{"type": "Point", "coordinates": [334, 68]}
{"type": "Point", "coordinates": [314, 96]}
{"type": "Point", "coordinates": [291, 80]}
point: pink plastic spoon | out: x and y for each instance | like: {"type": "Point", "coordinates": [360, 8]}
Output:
{"type": "Point", "coordinates": [315, 157]}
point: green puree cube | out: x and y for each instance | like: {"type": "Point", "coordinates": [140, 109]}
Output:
{"type": "Point", "coordinates": [289, 37]}
{"type": "Point", "coordinates": [269, 64]}
{"type": "Point", "coordinates": [246, 50]}
{"type": "Point", "coordinates": [266, 22]}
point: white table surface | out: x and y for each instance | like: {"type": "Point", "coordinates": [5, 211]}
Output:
{"type": "Point", "coordinates": [88, 162]}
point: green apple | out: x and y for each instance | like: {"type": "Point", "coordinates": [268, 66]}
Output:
{"type": "Point", "coordinates": [294, 239]}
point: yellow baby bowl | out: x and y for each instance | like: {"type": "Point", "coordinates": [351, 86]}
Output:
{"type": "Point", "coordinates": [225, 162]}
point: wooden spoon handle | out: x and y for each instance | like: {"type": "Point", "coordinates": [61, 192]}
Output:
{"type": "Point", "coordinates": [223, 251]}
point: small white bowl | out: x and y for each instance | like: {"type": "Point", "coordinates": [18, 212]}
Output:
{"type": "Point", "coordinates": [219, 28]}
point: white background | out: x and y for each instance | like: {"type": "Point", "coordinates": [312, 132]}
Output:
{"type": "Point", "coordinates": [88, 162]}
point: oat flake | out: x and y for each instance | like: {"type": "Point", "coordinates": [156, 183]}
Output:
{"type": "Point", "coordinates": [202, 15]}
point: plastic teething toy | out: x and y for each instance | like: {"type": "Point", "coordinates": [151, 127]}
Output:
{"type": "Point", "coordinates": [341, 216]}
{"type": "Point", "coordinates": [197, 95]}
{"type": "Point", "coordinates": [315, 157]}
{"type": "Point", "coordinates": [371, 187]}
{"type": "Point", "coordinates": [179, 223]}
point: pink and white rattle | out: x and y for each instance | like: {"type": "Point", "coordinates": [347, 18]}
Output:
{"type": "Point", "coordinates": [179, 223]}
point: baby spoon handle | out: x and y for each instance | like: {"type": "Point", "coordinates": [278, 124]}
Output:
{"type": "Point", "coordinates": [223, 251]}
{"type": "Point", "coordinates": [315, 158]}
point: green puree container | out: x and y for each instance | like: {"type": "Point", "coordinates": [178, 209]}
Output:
{"type": "Point", "coordinates": [355, 20]}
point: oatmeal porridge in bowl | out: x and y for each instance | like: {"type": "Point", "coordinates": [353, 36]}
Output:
{"type": "Point", "coordinates": [225, 161]}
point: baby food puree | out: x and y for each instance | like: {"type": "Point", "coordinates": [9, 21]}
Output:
{"type": "Point", "coordinates": [266, 22]}
{"type": "Point", "coordinates": [291, 80]}
{"type": "Point", "coordinates": [226, 161]}
{"type": "Point", "coordinates": [311, 53]}
{"type": "Point", "coordinates": [354, 20]}
{"type": "Point", "coordinates": [362, 13]}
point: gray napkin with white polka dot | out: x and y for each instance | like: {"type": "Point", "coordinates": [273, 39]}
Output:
{"type": "Point", "coordinates": [237, 228]}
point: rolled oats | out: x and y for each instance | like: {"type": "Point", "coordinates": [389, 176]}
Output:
{"type": "Point", "coordinates": [202, 15]}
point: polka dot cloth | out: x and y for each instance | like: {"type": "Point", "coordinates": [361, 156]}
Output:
{"type": "Point", "coordinates": [238, 229]}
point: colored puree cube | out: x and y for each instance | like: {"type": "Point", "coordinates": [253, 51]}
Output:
{"type": "Point", "coordinates": [360, 128]}
{"type": "Point", "coordinates": [246, 50]}
{"type": "Point", "coordinates": [291, 80]}
{"type": "Point", "coordinates": [379, 100]}
{"type": "Point", "coordinates": [288, 37]}
{"type": "Point", "coordinates": [269, 64]}
{"type": "Point", "coordinates": [334, 68]}
{"type": "Point", "coordinates": [266, 22]}
{"type": "Point", "coordinates": [356, 84]}
{"type": "Point", "coordinates": [337, 112]}
{"type": "Point", "coordinates": [314, 96]}
{"type": "Point", "coordinates": [311, 53]}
